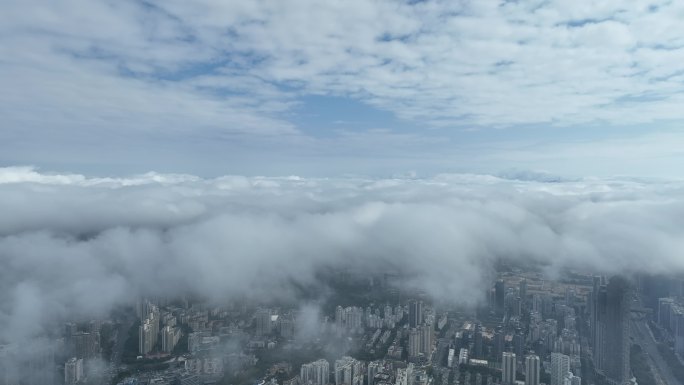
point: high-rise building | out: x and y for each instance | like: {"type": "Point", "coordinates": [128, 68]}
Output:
{"type": "Point", "coordinates": [426, 337]}
{"type": "Point", "coordinates": [415, 313]}
{"type": "Point", "coordinates": [518, 342]}
{"type": "Point", "coordinates": [170, 337]}
{"type": "Point", "coordinates": [677, 320]}
{"type": "Point", "coordinates": [414, 344]}
{"type": "Point", "coordinates": [532, 367]}
{"type": "Point", "coordinates": [315, 373]}
{"type": "Point", "coordinates": [339, 317]}
{"type": "Point", "coordinates": [286, 327]}
{"type": "Point", "coordinates": [85, 345]}
{"type": "Point", "coordinates": [664, 307]}
{"type": "Point", "coordinates": [463, 356]}
{"type": "Point", "coordinates": [499, 296]}
{"type": "Point", "coordinates": [73, 371]}
{"type": "Point", "coordinates": [523, 290]}
{"type": "Point", "coordinates": [560, 366]}
{"type": "Point", "coordinates": [499, 342]}
{"type": "Point", "coordinates": [148, 330]}
{"type": "Point", "coordinates": [618, 303]}
{"type": "Point", "coordinates": [508, 364]}
{"type": "Point", "coordinates": [348, 371]}
{"type": "Point", "coordinates": [593, 305]}
{"type": "Point", "coordinates": [571, 379]}
{"type": "Point", "coordinates": [70, 328]}
{"type": "Point", "coordinates": [537, 303]}
{"type": "Point", "coordinates": [450, 358]}
{"type": "Point", "coordinates": [374, 368]}
{"type": "Point", "coordinates": [598, 323]}
{"type": "Point", "coordinates": [570, 295]}
{"type": "Point", "coordinates": [402, 377]}
{"type": "Point", "coordinates": [420, 377]}
{"type": "Point", "coordinates": [477, 342]}
{"type": "Point", "coordinates": [263, 322]}
{"type": "Point", "coordinates": [145, 338]}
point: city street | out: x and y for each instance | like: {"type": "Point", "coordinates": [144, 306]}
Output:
{"type": "Point", "coordinates": [643, 336]}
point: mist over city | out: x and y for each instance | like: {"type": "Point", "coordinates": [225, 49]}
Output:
{"type": "Point", "coordinates": [361, 192]}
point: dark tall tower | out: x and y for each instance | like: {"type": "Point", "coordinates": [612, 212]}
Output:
{"type": "Point", "coordinates": [499, 339]}
{"type": "Point", "coordinates": [618, 303]}
{"type": "Point", "coordinates": [500, 296]}
{"type": "Point", "coordinates": [593, 308]}
{"type": "Point", "coordinates": [523, 291]}
{"type": "Point", "coordinates": [477, 342]}
{"type": "Point", "coordinates": [415, 313]}
{"type": "Point", "coordinates": [518, 342]}
{"type": "Point", "coordinates": [598, 322]}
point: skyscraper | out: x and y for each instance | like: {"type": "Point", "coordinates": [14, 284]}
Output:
{"type": "Point", "coordinates": [374, 367]}
{"type": "Point", "coordinates": [598, 323]}
{"type": "Point", "coordinates": [170, 337]}
{"type": "Point", "coordinates": [560, 366]}
{"type": "Point", "coordinates": [420, 340]}
{"type": "Point", "coordinates": [73, 371]}
{"type": "Point", "coordinates": [348, 371]}
{"type": "Point", "coordinates": [518, 342]}
{"type": "Point", "coordinates": [415, 313]}
{"type": "Point", "coordinates": [477, 342]}
{"type": "Point", "coordinates": [523, 290]}
{"type": "Point", "coordinates": [499, 342]}
{"type": "Point", "coordinates": [499, 296]}
{"type": "Point", "coordinates": [618, 304]}
{"type": "Point", "coordinates": [508, 364]}
{"type": "Point", "coordinates": [85, 345]}
{"type": "Point", "coordinates": [532, 370]}
{"type": "Point", "coordinates": [426, 333]}
{"type": "Point", "coordinates": [148, 330]}
{"type": "Point", "coordinates": [263, 322]}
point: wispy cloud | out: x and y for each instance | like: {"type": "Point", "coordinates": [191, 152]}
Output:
{"type": "Point", "coordinates": [152, 83]}
{"type": "Point", "coordinates": [236, 66]}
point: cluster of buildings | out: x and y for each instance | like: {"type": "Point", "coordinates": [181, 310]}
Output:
{"type": "Point", "coordinates": [528, 335]}
{"type": "Point", "coordinates": [73, 371]}
{"type": "Point", "coordinates": [670, 317]}
{"type": "Point", "coordinates": [157, 327]}
{"type": "Point", "coordinates": [421, 331]}
{"type": "Point", "coordinates": [315, 373]}
{"type": "Point", "coordinates": [354, 319]}
{"type": "Point", "coordinates": [350, 371]}
{"type": "Point", "coordinates": [81, 345]}
{"type": "Point", "coordinates": [149, 328]}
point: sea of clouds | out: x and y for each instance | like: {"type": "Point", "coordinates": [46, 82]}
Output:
{"type": "Point", "coordinates": [77, 246]}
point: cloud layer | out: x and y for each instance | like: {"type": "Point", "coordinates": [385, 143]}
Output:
{"type": "Point", "coordinates": [72, 245]}
{"type": "Point", "coordinates": [234, 68]}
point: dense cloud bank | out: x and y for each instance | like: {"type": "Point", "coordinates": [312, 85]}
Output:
{"type": "Point", "coordinates": [73, 245]}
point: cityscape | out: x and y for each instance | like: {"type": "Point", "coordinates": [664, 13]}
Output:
{"type": "Point", "coordinates": [576, 329]}
{"type": "Point", "coordinates": [341, 192]}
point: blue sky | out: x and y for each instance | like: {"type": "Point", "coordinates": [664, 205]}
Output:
{"type": "Point", "coordinates": [343, 87]}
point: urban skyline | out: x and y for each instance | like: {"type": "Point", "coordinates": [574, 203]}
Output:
{"type": "Point", "coordinates": [341, 192]}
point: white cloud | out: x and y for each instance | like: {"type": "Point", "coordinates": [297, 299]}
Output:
{"type": "Point", "coordinates": [75, 245]}
{"type": "Point", "coordinates": [212, 66]}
